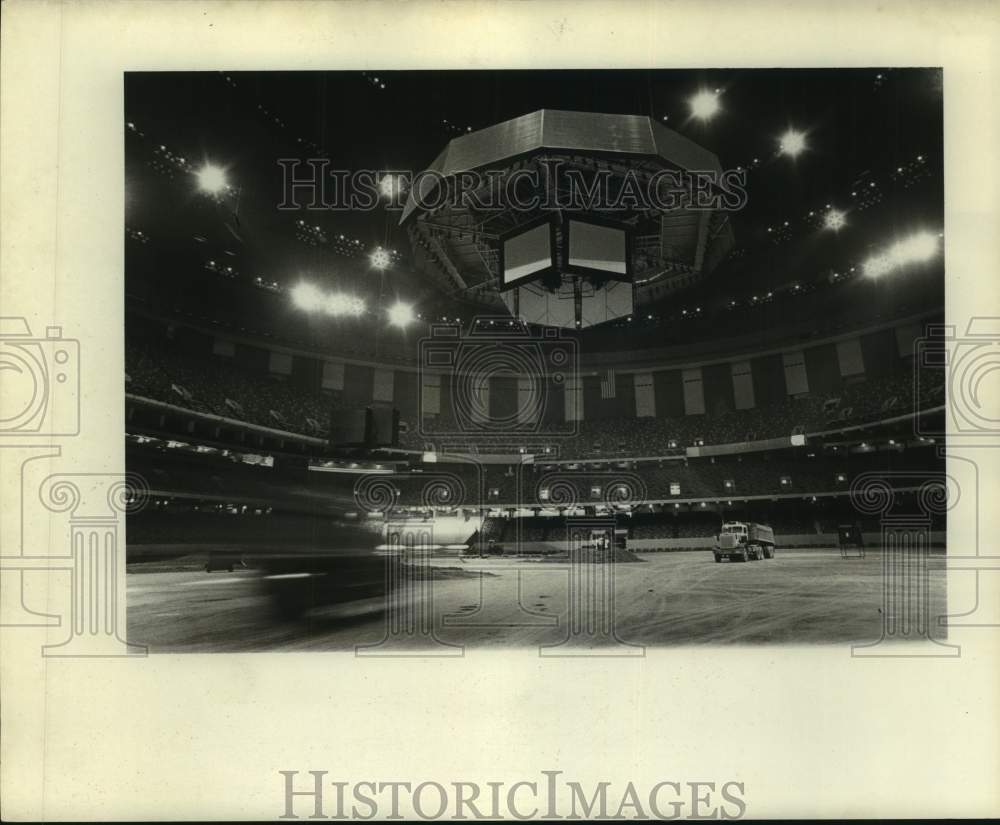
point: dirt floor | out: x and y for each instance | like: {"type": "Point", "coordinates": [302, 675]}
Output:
{"type": "Point", "coordinates": [809, 596]}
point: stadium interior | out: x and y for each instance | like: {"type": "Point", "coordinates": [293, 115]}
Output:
{"type": "Point", "coordinates": [405, 369]}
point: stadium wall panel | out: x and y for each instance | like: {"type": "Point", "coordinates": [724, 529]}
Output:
{"type": "Point", "coordinates": [358, 382]}
{"type": "Point", "coordinates": [405, 392]}
{"type": "Point", "coordinates": [669, 393]}
{"type": "Point", "coordinates": [503, 398]}
{"type": "Point", "coordinates": [881, 352]}
{"type": "Point", "coordinates": [823, 368]}
{"type": "Point", "coordinates": [554, 411]}
{"type": "Point", "coordinates": [718, 381]}
{"type": "Point", "coordinates": [768, 379]}
{"type": "Point", "coordinates": [873, 541]}
{"type": "Point", "coordinates": [306, 373]}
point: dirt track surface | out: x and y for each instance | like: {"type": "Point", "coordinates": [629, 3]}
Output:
{"type": "Point", "coordinates": [799, 597]}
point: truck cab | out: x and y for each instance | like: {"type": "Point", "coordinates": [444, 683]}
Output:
{"type": "Point", "coordinates": [731, 543]}
{"type": "Point", "coordinates": [737, 530]}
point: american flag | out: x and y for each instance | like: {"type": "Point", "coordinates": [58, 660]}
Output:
{"type": "Point", "coordinates": [608, 383]}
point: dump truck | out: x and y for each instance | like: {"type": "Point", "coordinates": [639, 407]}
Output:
{"type": "Point", "coordinates": [744, 541]}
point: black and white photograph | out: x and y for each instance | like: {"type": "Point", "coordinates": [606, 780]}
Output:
{"type": "Point", "coordinates": [582, 360]}
{"type": "Point", "coordinates": [444, 410]}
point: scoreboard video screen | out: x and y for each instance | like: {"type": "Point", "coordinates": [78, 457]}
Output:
{"type": "Point", "coordinates": [597, 249]}
{"type": "Point", "coordinates": [528, 254]}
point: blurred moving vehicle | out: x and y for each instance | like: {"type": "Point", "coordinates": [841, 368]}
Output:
{"type": "Point", "coordinates": [341, 566]}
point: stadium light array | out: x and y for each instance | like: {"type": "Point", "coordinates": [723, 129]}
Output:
{"type": "Point", "coordinates": [308, 297]}
{"type": "Point", "coordinates": [792, 143]}
{"type": "Point", "coordinates": [338, 304]}
{"type": "Point", "coordinates": [400, 314]}
{"type": "Point", "coordinates": [211, 179]}
{"type": "Point", "coordinates": [311, 298]}
{"type": "Point", "coordinates": [705, 104]}
{"type": "Point", "coordinates": [919, 247]}
{"type": "Point", "coordinates": [835, 219]}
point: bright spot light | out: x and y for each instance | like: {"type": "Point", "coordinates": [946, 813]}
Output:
{"type": "Point", "coordinates": [211, 179]}
{"type": "Point", "coordinates": [705, 104]}
{"type": "Point", "coordinates": [792, 143]}
{"type": "Point", "coordinates": [379, 258]}
{"type": "Point", "coordinates": [308, 297]}
{"type": "Point", "coordinates": [835, 220]}
{"type": "Point", "coordinates": [877, 265]}
{"type": "Point", "coordinates": [338, 304]}
{"type": "Point", "coordinates": [390, 186]}
{"type": "Point", "coordinates": [920, 247]}
{"type": "Point", "coordinates": [917, 248]}
{"type": "Point", "coordinates": [400, 314]}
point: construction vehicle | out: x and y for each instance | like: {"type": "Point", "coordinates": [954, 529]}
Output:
{"type": "Point", "coordinates": [744, 541]}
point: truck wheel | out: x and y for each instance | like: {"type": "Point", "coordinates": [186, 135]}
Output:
{"type": "Point", "coordinates": [743, 557]}
{"type": "Point", "coordinates": [718, 558]}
